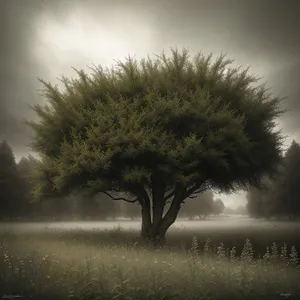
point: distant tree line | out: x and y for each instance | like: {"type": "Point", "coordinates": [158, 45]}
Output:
{"type": "Point", "coordinates": [12, 187]}
{"type": "Point", "coordinates": [202, 206]}
{"type": "Point", "coordinates": [280, 196]}
{"type": "Point", "coordinates": [17, 201]}
{"type": "Point", "coordinates": [240, 210]}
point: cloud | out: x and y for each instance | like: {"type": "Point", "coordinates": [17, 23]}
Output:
{"type": "Point", "coordinates": [45, 38]}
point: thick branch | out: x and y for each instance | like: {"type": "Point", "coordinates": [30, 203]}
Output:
{"type": "Point", "coordinates": [175, 205]}
{"type": "Point", "coordinates": [197, 192]}
{"type": "Point", "coordinates": [197, 188]}
{"type": "Point", "coordinates": [119, 198]}
{"type": "Point", "coordinates": [142, 194]}
{"type": "Point", "coordinates": [146, 213]}
{"type": "Point", "coordinates": [170, 195]}
{"type": "Point", "coordinates": [158, 201]}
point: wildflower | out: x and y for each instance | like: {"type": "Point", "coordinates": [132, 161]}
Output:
{"type": "Point", "coordinates": [294, 259]}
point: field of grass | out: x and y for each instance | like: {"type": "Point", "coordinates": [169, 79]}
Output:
{"type": "Point", "coordinates": [115, 264]}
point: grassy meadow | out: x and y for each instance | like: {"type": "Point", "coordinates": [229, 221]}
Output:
{"type": "Point", "coordinates": [211, 263]}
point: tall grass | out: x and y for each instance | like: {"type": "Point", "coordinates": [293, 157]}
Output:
{"type": "Point", "coordinates": [58, 266]}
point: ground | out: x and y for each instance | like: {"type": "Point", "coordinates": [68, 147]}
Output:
{"type": "Point", "coordinates": [73, 260]}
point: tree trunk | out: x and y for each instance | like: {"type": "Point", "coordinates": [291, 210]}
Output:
{"type": "Point", "coordinates": [146, 222]}
{"type": "Point", "coordinates": [154, 231]}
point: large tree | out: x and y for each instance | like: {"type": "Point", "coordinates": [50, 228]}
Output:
{"type": "Point", "coordinates": [157, 131]}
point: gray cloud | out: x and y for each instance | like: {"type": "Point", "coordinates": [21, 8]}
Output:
{"type": "Point", "coordinates": [263, 34]}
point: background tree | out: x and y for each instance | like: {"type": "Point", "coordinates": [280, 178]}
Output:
{"type": "Point", "coordinates": [241, 210]}
{"type": "Point", "coordinates": [229, 210]}
{"type": "Point", "coordinates": [201, 206]}
{"type": "Point", "coordinates": [24, 168]}
{"type": "Point", "coordinates": [218, 207]}
{"type": "Point", "coordinates": [287, 190]}
{"type": "Point", "coordinates": [11, 188]}
{"type": "Point", "coordinates": [280, 197]}
{"type": "Point", "coordinates": [131, 210]}
{"type": "Point", "coordinates": [108, 208]}
{"type": "Point", "coordinates": [157, 131]}
{"type": "Point", "coordinates": [85, 206]}
{"type": "Point", "coordinates": [258, 203]}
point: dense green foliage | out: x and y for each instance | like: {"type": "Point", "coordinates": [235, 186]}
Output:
{"type": "Point", "coordinates": [157, 130]}
{"type": "Point", "coordinates": [170, 110]}
{"type": "Point", "coordinates": [281, 195]}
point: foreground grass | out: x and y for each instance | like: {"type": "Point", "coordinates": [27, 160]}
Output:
{"type": "Point", "coordinates": [72, 266]}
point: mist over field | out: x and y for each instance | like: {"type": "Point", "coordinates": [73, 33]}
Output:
{"type": "Point", "coordinates": [228, 222]}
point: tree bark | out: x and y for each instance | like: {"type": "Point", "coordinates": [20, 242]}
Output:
{"type": "Point", "coordinates": [146, 221]}
{"type": "Point", "coordinates": [170, 216]}
{"type": "Point", "coordinates": [154, 231]}
{"type": "Point", "coordinates": [158, 204]}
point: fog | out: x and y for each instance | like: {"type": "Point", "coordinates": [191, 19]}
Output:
{"type": "Point", "coordinates": [229, 223]}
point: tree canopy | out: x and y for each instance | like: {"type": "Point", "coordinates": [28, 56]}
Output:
{"type": "Point", "coordinates": [157, 130]}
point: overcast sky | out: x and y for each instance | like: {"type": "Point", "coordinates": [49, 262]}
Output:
{"type": "Point", "coordinates": [45, 38]}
